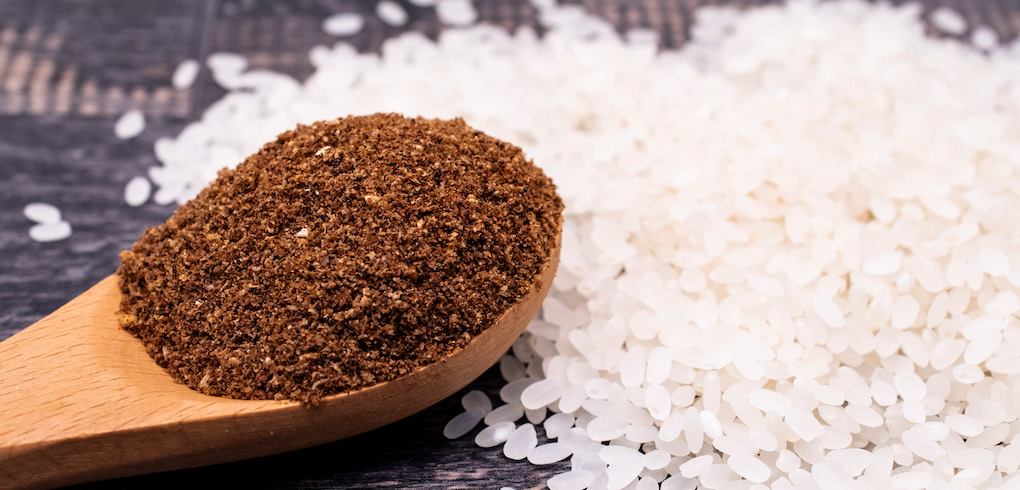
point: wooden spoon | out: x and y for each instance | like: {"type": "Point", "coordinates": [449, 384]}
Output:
{"type": "Point", "coordinates": [81, 400]}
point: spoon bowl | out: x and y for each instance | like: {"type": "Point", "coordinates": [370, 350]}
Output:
{"type": "Point", "coordinates": [81, 400]}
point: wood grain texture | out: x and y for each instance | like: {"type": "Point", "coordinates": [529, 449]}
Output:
{"type": "Point", "coordinates": [78, 389]}
{"type": "Point", "coordinates": [57, 146]}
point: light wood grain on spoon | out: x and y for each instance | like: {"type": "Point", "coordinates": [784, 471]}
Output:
{"type": "Point", "coordinates": [81, 400]}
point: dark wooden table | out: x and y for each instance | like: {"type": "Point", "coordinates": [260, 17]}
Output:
{"type": "Point", "coordinates": [70, 68]}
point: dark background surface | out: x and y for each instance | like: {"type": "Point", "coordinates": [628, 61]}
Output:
{"type": "Point", "coordinates": [70, 68]}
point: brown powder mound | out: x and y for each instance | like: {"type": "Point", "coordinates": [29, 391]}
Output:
{"type": "Point", "coordinates": [341, 255]}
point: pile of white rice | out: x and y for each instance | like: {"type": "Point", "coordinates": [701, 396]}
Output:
{"type": "Point", "coordinates": [791, 254]}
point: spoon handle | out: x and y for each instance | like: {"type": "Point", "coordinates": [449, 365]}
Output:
{"type": "Point", "coordinates": [80, 400]}
{"type": "Point", "coordinates": [57, 403]}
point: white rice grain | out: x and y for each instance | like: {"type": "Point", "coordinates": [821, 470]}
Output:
{"type": "Point", "coordinates": [984, 37]}
{"type": "Point", "coordinates": [495, 434]}
{"type": "Point", "coordinates": [948, 21]}
{"type": "Point", "coordinates": [137, 191]}
{"type": "Point", "coordinates": [185, 74]}
{"type": "Point", "coordinates": [541, 393]}
{"type": "Point", "coordinates": [749, 467]}
{"type": "Point", "coordinates": [476, 402]}
{"type": "Point", "coordinates": [461, 424]}
{"type": "Point", "coordinates": [549, 453]}
{"type": "Point", "coordinates": [505, 413]}
{"type": "Point", "coordinates": [345, 24]}
{"type": "Point", "coordinates": [130, 124]}
{"type": "Point", "coordinates": [521, 442]}
{"type": "Point", "coordinates": [391, 13]}
{"type": "Point", "coordinates": [50, 232]}
{"type": "Point", "coordinates": [42, 213]}
{"type": "Point", "coordinates": [456, 12]}
{"type": "Point", "coordinates": [571, 480]}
